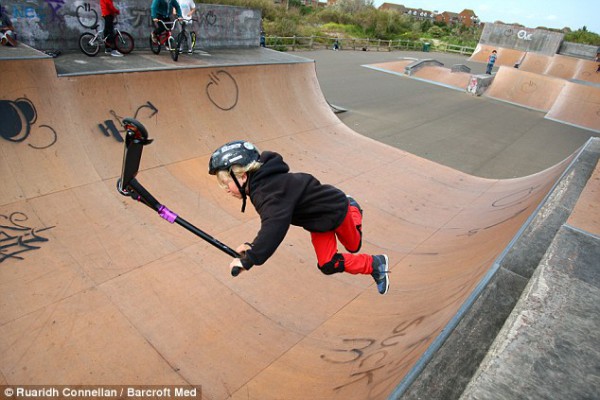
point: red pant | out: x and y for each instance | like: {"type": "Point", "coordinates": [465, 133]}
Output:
{"type": "Point", "coordinates": [325, 244]}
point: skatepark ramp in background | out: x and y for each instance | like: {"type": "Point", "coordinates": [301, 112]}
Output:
{"type": "Point", "coordinates": [431, 71]}
{"type": "Point", "coordinates": [98, 290]}
{"type": "Point", "coordinates": [559, 66]}
{"type": "Point", "coordinates": [577, 105]}
{"type": "Point", "coordinates": [506, 57]}
{"type": "Point", "coordinates": [526, 89]}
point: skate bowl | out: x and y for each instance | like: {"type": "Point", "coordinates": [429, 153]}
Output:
{"type": "Point", "coordinates": [96, 289]}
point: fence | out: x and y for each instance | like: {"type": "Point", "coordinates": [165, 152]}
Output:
{"type": "Point", "coordinates": [294, 43]}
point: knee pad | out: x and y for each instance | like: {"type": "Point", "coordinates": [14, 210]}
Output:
{"type": "Point", "coordinates": [334, 266]}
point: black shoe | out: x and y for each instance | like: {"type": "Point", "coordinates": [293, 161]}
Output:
{"type": "Point", "coordinates": [354, 203]}
{"type": "Point", "coordinates": [381, 273]}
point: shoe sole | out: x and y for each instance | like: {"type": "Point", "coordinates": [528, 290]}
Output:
{"type": "Point", "coordinates": [387, 274]}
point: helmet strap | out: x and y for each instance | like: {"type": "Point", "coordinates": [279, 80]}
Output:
{"type": "Point", "coordinates": [241, 188]}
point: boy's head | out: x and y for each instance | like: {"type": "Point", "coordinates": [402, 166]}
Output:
{"type": "Point", "coordinates": [494, 51]}
{"type": "Point", "coordinates": [237, 153]}
{"type": "Point", "coordinates": [231, 163]}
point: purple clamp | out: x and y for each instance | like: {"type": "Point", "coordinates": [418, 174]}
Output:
{"type": "Point", "coordinates": [167, 214]}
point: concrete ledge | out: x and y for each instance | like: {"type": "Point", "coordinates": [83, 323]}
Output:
{"type": "Point", "coordinates": [447, 372]}
{"type": "Point", "coordinates": [479, 84]}
{"type": "Point", "coordinates": [460, 68]}
{"type": "Point", "coordinates": [21, 52]}
{"type": "Point", "coordinates": [550, 346]}
{"type": "Point", "coordinates": [415, 66]}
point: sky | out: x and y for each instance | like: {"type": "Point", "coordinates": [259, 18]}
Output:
{"type": "Point", "coordinates": [531, 13]}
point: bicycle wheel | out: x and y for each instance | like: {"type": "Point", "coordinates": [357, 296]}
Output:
{"type": "Point", "coordinates": [193, 36]}
{"type": "Point", "coordinates": [173, 48]}
{"type": "Point", "coordinates": [155, 47]}
{"type": "Point", "coordinates": [124, 42]}
{"type": "Point", "coordinates": [182, 42]}
{"type": "Point", "coordinates": [89, 44]}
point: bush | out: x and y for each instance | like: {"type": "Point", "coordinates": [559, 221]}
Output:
{"type": "Point", "coordinates": [583, 36]}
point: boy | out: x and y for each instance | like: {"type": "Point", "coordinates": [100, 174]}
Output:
{"type": "Point", "coordinates": [188, 8]}
{"type": "Point", "coordinates": [162, 10]}
{"type": "Point", "coordinates": [283, 198]}
{"type": "Point", "coordinates": [491, 62]}
{"type": "Point", "coordinates": [6, 30]}
{"type": "Point", "coordinates": [109, 12]}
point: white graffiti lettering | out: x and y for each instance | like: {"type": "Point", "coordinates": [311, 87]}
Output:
{"type": "Point", "coordinates": [522, 34]}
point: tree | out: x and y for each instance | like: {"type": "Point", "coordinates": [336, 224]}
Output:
{"type": "Point", "coordinates": [353, 6]}
{"type": "Point", "coordinates": [436, 32]}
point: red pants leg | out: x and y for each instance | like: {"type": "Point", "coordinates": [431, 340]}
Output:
{"type": "Point", "coordinates": [325, 244]}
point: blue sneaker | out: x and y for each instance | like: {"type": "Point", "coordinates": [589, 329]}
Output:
{"type": "Point", "coordinates": [354, 203]}
{"type": "Point", "coordinates": [381, 273]}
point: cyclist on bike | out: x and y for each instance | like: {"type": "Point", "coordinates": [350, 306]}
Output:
{"type": "Point", "coordinates": [109, 12]}
{"type": "Point", "coordinates": [7, 34]}
{"type": "Point", "coordinates": [162, 10]}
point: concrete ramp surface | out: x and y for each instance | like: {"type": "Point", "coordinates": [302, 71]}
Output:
{"type": "Point", "coordinates": [507, 57]}
{"type": "Point", "coordinates": [526, 89]}
{"type": "Point", "coordinates": [569, 68]}
{"type": "Point", "coordinates": [577, 105]}
{"type": "Point", "coordinates": [430, 73]}
{"type": "Point", "coordinates": [97, 289]}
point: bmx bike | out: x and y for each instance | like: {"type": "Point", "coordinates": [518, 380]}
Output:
{"type": "Point", "coordinates": [89, 43]}
{"type": "Point", "coordinates": [182, 37]}
{"type": "Point", "coordinates": [166, 39]}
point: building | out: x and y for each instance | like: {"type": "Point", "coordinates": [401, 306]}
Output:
{"type": "Point", "coordinates": [466, 17]}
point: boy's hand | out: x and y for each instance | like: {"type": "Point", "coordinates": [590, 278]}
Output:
{"type": "Point", "coordinates": [242, 248]}
{"type": "Point", "coordinates": [236, 264]}
{"type": "Point", "coordinates": [236, 267]}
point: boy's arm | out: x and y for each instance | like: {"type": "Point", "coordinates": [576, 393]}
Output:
{"type": "Point", "coordinates": [273, 230]}
{"type": "Point", "coordinates": [113, 9]}
{"type": "Point", "coordinates": [154, 9]}
{"type": "Point", "coordinates": [6, 24]}
{"type": "Point", "coordinates": [177, 8]}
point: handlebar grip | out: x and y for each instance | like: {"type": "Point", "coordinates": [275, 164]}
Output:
{"type": "Point", "coordinates": [235, 271]}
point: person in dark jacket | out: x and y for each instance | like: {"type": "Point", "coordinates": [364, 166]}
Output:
{"type": "Point", "coordinates": [7, 30]}
{"type": "Point", "coordinates": [283, 198]}
{"type": "Point", "coordinates": [162, 10]}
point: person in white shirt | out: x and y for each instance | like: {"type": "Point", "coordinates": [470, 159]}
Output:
{"type": "Point", "coordinates": [188, 8]}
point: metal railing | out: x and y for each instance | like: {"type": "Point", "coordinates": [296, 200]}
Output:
{"type": "Point", "coordinates": [294, 43]}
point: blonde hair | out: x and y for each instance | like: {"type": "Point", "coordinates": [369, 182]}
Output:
{"type": "Point", "coordinates": [223, 176]}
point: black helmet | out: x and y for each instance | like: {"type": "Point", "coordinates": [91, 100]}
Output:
{"type": "Point", "coordinates": [239, 152]}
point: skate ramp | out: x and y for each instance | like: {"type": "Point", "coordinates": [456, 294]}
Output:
{"type": "Point", "coordinates": [429, 73]}
{"type": "Point", "coordinates": [577, 105]}
{"type": "Point", "coordinates": [565, 67]}
{"type": "Point", "coordinates": [444, 76]}
{"type": "Point", "coordinates": [96, 289]}
{"type": "Point", "coordinates": [506, 57]}
{"type": "Point", "coordinates": [393, 67]}
{"type": "Point", "coordinates": [526, 89]}
{"type": "Point", "coordinates": [536, 63]}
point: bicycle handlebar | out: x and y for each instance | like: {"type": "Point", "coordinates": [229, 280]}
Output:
{"type": "Point", "coordinates": [170, 23]}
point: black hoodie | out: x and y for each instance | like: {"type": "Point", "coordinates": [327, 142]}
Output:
{"type": "Point", "coordinates": [282, 198]}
